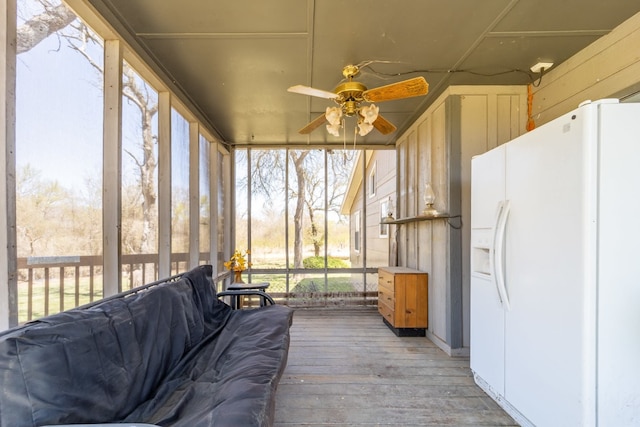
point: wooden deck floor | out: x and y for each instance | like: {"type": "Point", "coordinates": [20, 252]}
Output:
{"type": "Point", "coordinates": [346, 368]}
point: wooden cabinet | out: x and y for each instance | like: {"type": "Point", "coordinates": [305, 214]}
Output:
{"type": "Point", "coordinates": [402, 299]}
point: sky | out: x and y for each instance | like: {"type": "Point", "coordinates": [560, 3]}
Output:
{"type": "Point", "coordinates": [59, 114]}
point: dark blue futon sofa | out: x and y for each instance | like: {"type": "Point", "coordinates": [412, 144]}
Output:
{"type": "Point", "coordinates": [170, 355]}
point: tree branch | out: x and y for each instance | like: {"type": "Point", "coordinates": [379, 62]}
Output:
{"type": "Point", "coordinates": [38, 28]}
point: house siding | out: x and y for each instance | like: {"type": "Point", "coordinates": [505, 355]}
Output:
{"type": "Point", "coordinates": [607, 68]}
{"type": "Point", "coordinates": [377, 248]}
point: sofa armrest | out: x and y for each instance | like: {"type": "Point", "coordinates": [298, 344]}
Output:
{"type": "Point", "coordinates": [265, 299]}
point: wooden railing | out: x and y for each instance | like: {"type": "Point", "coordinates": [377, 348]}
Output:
{"type": "Point", "coordinates": [48, 285]}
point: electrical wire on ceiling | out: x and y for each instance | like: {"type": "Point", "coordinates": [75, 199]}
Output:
{"type": "Point", "coordinates": [532, 80]}
{"type": "Point", "coordinates": [472, 72]}
{"type": "Point", "coordinates": [532, 76]}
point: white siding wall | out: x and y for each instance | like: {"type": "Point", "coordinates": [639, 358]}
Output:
{"type": "Point", "coordinates": [609, 67]}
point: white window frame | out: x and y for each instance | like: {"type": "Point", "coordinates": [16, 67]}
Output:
{"type": "Point", "coordinates": [372, 180]}
{"type": "Point", "coordinates": [384, 208]}
{"type": "Point", "coordinates": [357, 232]}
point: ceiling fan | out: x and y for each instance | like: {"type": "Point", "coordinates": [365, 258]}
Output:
{"type": "Point", "coordinates": [351, 94]}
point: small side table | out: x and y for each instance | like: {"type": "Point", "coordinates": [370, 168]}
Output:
{"type": "Point", "coordinates": [246, 286]}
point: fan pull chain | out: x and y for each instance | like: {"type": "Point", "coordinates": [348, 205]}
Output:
{"type": "Point", "coordinates": [344, 135]}
{"type": "Point", "coordinates": [355, 136]}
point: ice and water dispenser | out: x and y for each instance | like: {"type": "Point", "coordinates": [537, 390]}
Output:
{"type": "Point", "coordinates": [481, 252]}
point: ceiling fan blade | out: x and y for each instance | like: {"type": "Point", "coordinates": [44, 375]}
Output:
{"type": "Point", "coordinates": [383, 125]}
{"type": "Point", "coordinates": [306, 90]}
{"type": "Point", "coordinates": [316, 123]}
{"type": "Point", "coordinates": [417, 86]}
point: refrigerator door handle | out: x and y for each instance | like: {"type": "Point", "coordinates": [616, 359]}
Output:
{"type": "Point", "coordinates": [492, 249]}
{"type": "Point", "coordinates": [498, 253]}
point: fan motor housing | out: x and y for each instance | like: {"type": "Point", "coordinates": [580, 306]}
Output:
{"type": "Point", "coordinates": [350, 91]}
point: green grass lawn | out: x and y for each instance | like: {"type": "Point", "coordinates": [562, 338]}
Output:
{"type": "Point", "coordinates": [311, 283]}
{"type": "Point", "coordinates": [334, 284]}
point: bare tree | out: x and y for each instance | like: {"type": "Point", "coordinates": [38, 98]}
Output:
{"type": "Point", "coordinates": [306, 186]}
{"type": "Point", "coordinates": [297, 158]}
{"type": "Point", "coordinates": [38, 205]}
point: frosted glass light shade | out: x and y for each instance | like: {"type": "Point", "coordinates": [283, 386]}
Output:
{"type": "Point", "coordinates": [369, 113]}
{"type": "Point", "coordinates": [364, 128]}
{"type": "Point", "coordinates": [334, 129]}
{"type": "Point", "coordinates": [333, 115]}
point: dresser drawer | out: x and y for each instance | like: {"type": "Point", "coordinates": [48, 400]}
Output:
{"type": "Point", "coordinates": [386, 312]}
{"type": "Point", "coordinates": [385, 279]}
{"type": "Point", "coordinates": [386, 296]}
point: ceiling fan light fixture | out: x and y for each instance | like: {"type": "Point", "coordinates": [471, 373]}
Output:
{"type": "Point", "coordinates": [369, 113]}
{"type": "Point", "coordinates": [333, 115]}
{"type": "Point", "coordinates": [334, 129]}
{"type": "Point", "coordinates": [364, 128]}
{"type": "Point", "coordinates": [350, 94]}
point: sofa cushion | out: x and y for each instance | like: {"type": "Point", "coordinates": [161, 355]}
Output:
{"type": "Point", "coordinates": [230, 379]}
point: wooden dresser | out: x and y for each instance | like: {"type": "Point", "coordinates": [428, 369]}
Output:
{"type": "Point", "coordinates": [402, 300]}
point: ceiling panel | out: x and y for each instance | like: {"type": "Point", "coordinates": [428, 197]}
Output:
{"type": "Point", "coordinates": [198, 16]}
{"type": "Point", "coordinates": [567, 15]}
{"type": "Point", "coordinates": [235, 59]}
{"type": "Point", "coordinates": [407, 36]}
{"type": "Point", "coordinates": [510, 53]}
{"type": "Point", "coordinates": [237, 80]}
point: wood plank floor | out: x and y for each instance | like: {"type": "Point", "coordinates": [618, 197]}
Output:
{"type": "Point", "coordinates": [346, 368]}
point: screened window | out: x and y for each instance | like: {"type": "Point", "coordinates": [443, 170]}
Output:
{"type": "Point", "coordinates": [59, 104]}
{"type": "Point", "coordinates": [288, 213]}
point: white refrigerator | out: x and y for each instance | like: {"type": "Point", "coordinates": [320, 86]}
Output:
{"type": "Point", "coordinates": [555, 270]}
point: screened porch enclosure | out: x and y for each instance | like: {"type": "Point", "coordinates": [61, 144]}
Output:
{"type": "Point", "coordinates": [124, 184]}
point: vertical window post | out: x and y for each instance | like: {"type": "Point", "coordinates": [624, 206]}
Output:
{"type": "Point", "coordinates": [194, 195]}
{"type": "Point", "coordinates": [164, 184]}
{"type": "Point", "coordinates": [8, 254]}
{"type": "Point", "coordinates": [112, 168]}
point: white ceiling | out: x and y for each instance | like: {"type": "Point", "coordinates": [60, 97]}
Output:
{"type": "Point", "coordinates": [235, 59]}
